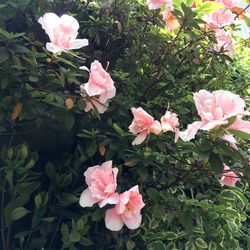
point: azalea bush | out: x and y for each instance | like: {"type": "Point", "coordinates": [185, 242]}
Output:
{"type": "Point", "coordinates": [123, 124]}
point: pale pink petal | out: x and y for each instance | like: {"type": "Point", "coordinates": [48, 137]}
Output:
{"type": "Point", "coordinates": [191, 131]}
{"type": "Point", "coordinates": [86, 199]}
{"type": "Point", "coordinates": [155, 4]}
{"type": "Point", "coordinates": [49, 21]}
{"type": "Point", "coordinates": [177, 134]}
{"type": "Point", "coordinates": [113, 199]}
{"type": "Point", "coordinates": [53, 48]}
{"type": "Point", "coordinates": [213, 124]}
{"type": "Point", "coordinates": [139, 139]}
{"type": "Point", "coordinates": [156, 128]}
{"type": "Point", "coordinates": [107, 164]}
{"type": "Point", "coordinates": [78, 43]}
{"type": "Point", "coordinates": [240, 125]}
{"type": "Point", "coordinates": [134, 222]}
{"type": "Point", "coordinates": [232, 141]}
{"type": "Point", "coordinates": [113, 221]}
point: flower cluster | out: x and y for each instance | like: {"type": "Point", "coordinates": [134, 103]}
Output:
{"type": "Point", "coordinates": [143, 124]}
{"type": "Point", "coordinates": [62, 32]}
{"type": "Point", "coordinates": [222, 17]}
{"type": "Point", "coordinates": [102, 184]}
{"type": "Point", "coordinates": [215, 109]}
{"type": "Point", "coordinates": [170, 20]}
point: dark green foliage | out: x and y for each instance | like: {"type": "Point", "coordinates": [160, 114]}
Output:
{"type": "Point", "coordinates": [45, 148]}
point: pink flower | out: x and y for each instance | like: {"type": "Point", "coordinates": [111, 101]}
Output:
{"type": "Point", "coordinates": [100, 83]}
{"type": "Point", "coordinates": [93, 104]}
{"type": "Point", "coordinates": [101, 181]}
{"type": "Point", "coordinates": [229, 3]}
{"type": "Point", "coordinates": [127, 211]}
{"type": "Point", "coordinates": [170, 122]}
{"type": "Point", "coordinates": [143, 124]}
{"type": "Point", "coordinates": [62, 32]}
{"type": "Point", "coordinates": [171, 21]}
{"type": "Point", "coordinates": [156, 4]}
{"type": "Point", "coordinates": [219, 18]}
{"type": "Point", "coordinates": [215, 109]}
{"type": "Point", "coordinates": [231, 140]}
{"type": "Point", "coordinates": [228, 178]}
{"type": "Point", "coordinates": [224, 40]}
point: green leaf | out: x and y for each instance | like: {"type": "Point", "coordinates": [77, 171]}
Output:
{"type": "Point", "coordinates": [232, 226]}
{"type": "Point", "coordinates": [74, 236]}
{"type": "Point", "coordinates": [241, 134]}
{"type": "Point", "coordinates": [4, 55]}
{"type": "Point", "coordinates": [49, 97]}
{"type": "Point", "coordinates": [157, 245]}
{"type": "Point", "coordinates": [118, 129]}
{"type": "Point", "coordinates": [200, 243]}
{"type": "Point", "coordinates": [212, 246]}
{"type": "Point", "coordinates": [69, 120]}
{"type": "Point", "coordinates": [97, 215]}
{"type": "Point", "coordinates": [92, 148]}
{"type": "Point", "coordinates": [65, 230]}
{"type": "Point", "coordinates": [9, 35]}
{"type": "Point", "coordinates": [50, 170]}
{"type": "Point", "coordinates": [38, 200]}
{"type": "Point", "coordinates": [203, 8]}
{"type": "Point", "coordinates": [24, 152]}
{"type": "Point", "coordinates": [18, 213]}
{"type": "Point", "coordinates": [130, 245]}
{"type": "Point", "coordinates": [216, 163]}
{"type": "Point", "coordinates": [170, 235]}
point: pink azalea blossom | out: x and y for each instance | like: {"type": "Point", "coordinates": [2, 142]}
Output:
{"type": "Point", "coordinates": [224, 41]}
{"type": "Point", "coordinates": [101, 181]}
{"type": "Point", "coordinates": [101, 85]}
{"type": "Point", "coordinates": [62, 32]}
{"type": "Point", "coordinates": [127, 211]}
{"type": "Point", "coordinates": [143, 124]}
{"type": "Point", "coordinates": [229, 3]}
{"type": "Point", "coordinates": [170, 122]}
{"type": "Point", "coordinates": [156, 4]}
{"type": "Point", "coordinates": [228, 178]}
{"type": "Point", "coordinates": [219, 18]}
{"type": "Point", "coordinates": [215, 109]}
{"type": "Point", "coordinates": [171, 22]}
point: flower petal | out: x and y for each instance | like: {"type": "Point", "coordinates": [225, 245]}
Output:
{"type": "Point", "coordinates": [139, 139]}
{"type": "Point", "coordinates": [86, 199]}
{"type": "Point", "coordinates": [191, 130]}
{"type": "Point", "coordinates": [133, 222]}
{"type": "Point", "coordinates": [78, 43]}
{"type": "Point", "coordinates": [113, 221]}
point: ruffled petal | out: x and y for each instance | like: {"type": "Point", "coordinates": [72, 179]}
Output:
{"type": "Point", "coordinates": [192, 129]}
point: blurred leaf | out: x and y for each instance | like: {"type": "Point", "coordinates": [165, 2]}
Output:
{"type": "Point", "coordinates": [18, 213]}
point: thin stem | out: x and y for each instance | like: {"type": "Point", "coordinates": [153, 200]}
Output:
{"type": "Point", "coordinates": [32, 227]}
{"type": "Point", "coordinates": [2, 216]}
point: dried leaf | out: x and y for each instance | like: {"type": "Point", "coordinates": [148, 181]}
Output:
{"type": "Point", "coordinates": [16, 111]}
{"type": "Point", "coordinates": [69, 103]}
{"type": "Point", "coordinates": [102, 150]}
